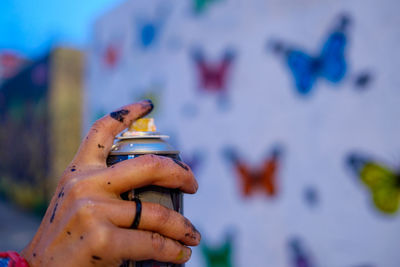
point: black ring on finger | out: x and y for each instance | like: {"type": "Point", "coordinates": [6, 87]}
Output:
{"type": "Point", "coordinates": [138, 213]}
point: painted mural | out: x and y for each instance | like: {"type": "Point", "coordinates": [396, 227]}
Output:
{"type": "Point", "coordinates": [286, 111]}
{"type": "Point", "coordinates": [40, 116]}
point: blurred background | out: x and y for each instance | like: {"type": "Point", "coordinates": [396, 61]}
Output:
{"type": "Point", "coordinates": [287, 111]}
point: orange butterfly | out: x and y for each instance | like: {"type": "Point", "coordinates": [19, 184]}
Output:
{"type": "Point", "coordinates": [263, 178]}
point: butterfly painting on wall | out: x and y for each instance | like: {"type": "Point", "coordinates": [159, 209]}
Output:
{"type": "Point", "coordinates": [260, 179]}
{"type": "Point", "coordinates": [200, 6]}
{"type": "Point", "coordinates": [148, 30]}
{"type": "Point", "coordinates": [298, 255]}
{"type": "Point", "coordinates": [213, 77]}
{"type": "Point", "coordinates": [111, 50]}
{"type": "Point", "coordinates": [329, 64]}
{"type": "Point", "coordinates": [111, 55]}
{"type": "Point", "coordinates": [382, 181]}
{"type": "Point", "coordinates": [218, 256]}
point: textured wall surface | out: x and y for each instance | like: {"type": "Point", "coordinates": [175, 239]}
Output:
{"type": "Point", "coordinates": [288, 112]}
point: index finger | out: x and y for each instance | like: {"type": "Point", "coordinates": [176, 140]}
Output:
{"type": "Point", "coordinates": [148, 170]}
{"type": "Point", "coordinates": [97, 144]}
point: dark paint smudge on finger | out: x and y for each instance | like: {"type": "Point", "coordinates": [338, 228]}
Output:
{"type": "Point", "coordinates": [96, 257]}
{"type": "Point", "coordinates": [119, 115]}
{"type": "Point", "coordinates": [54, 213]}
{"type": "Point", "coordinates": [183, 166]}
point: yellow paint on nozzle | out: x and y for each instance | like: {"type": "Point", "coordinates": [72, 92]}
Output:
{"type": "Point", "coordinates": [143, 125]}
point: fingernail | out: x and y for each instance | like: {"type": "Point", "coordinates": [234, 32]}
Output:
{"type": "Point", "coordinates": [180, 255]}
{"type": "Point", "coordinates": [196, 232]}
{"type": "Point", "coordinates": [150, 103]}
{"type": "Point", "coordinates": [199, 238]}
{"type": "Point", "coordinates": [188, 253]}
{"type": "Point", "coordinates": [185, 253]}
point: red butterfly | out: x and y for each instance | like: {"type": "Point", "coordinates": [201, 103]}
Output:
{"type": "Point", "coordinates": [213, 75]}
{"type": "Point", "coordinates": [111, 55]}
{"type": "Point", "coordinates": [263, 178]}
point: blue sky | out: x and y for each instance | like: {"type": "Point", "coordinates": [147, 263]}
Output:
{"type": "Point", "coordinates": [31, 26]}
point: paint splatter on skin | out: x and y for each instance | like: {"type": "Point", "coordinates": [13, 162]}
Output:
{"type": "Point", "coordinates": [72, 170]}
{"type": "Point", "coordinates": [183, 166]}
{"type": "Point", "coordinates": [191, 236]}
{"type": "Point", "coordinates": [100, 146]}
{"type": "Point", "coordinates": [61, 194]}
{"type": "Point", "coordinates": [54, 213]}
{"type": "Point", "coordinates": [68, 232]}
{"type": "Point", "coordinates": [194, 230]}
{"type": "Point", "coordinates": [119, 115]}
{"type": "Point", "coordinates": [34, 254]}
{"type": "Point", "coordinates": [108, 182]}
{"type": "Point", "coordinates": [96, 257]}
{"type": "Point", "coordinates": [81, 237]}
{"type": "Point", "coordinates": [180, 255]}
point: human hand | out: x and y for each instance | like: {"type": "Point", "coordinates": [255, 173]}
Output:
{"type": "Point", "coordinates": [87, 223]}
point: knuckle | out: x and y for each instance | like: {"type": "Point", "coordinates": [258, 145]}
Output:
{"type": "Point", "coordinates": [76, 188]}
{"type": "Point", "coordinates": [100, 238]}
{"type": "Point", "coordinates": [157, 242]}
{"type": "Point", "coordinates": [151, 162]}
{"type": "Point", "coordinates": [85, 209]}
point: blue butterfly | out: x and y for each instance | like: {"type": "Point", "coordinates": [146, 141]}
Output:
{"type": "Point", "coordinates": [329, 64]}
{"type": "Point", "coordinates": [148, 33]}
{"type": "Point", "coordinates": [149, 29]}
{"type": "Point", "coordinates": [298, 254]}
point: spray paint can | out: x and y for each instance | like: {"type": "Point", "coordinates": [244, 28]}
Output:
{"type": "Point", "coordinates": [140, 139]}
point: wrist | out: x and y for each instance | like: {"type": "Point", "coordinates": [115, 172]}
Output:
{"type": "Point", "coordinates": [26, 255]}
